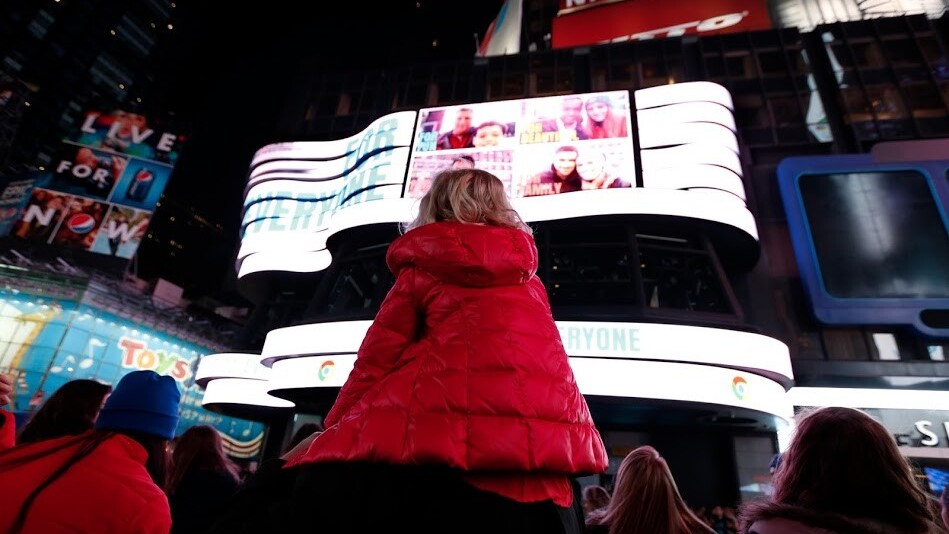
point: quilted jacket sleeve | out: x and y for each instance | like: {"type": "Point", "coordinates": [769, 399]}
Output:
{"type": "Point", "coordinates": [539, 291]}
{"type": "Point", "coordinates": [394, 328]}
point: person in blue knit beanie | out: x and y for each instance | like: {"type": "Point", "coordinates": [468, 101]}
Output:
{"type": "Point", "coordinates": [108, 479]}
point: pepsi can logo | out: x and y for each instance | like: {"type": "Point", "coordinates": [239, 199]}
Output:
{"type": "Point", "coordinates": [81, 223]}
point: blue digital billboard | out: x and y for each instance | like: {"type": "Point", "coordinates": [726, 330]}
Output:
{"type": "Point", "coordinates": [871, 239]}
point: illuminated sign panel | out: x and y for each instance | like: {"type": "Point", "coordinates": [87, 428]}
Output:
{"type": "Point", "coordinates": [807, 14]}
{"type": "Point", "coordinates": [681, 382]}
{"type": "Point", "coordinates": [572, 6]}
{"type": "Point", "coordinates": [688, 140]}
{"type": "Point", "coordinates": [871, 239]}
{"type": "Point", "coordinates": [297, 192]}
{"type": "Point", "coordinates": [45, 343]}
{"type": "Point", "coordinates": [300, 194]}
{"type": "Point", "coordinates": [719, 366]}
{"type": "Point", "coordinates": [643, 19]}
{"type": "Point", "coordinates": [102, 187]}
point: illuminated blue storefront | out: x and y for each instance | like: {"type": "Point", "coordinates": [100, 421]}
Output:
{"type": "Point", "coordinates": [45, 342]}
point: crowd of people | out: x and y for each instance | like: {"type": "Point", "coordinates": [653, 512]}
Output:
{"type": "Point", "coordinates": [98, 459]}
{"type": "Point", "coordinates": [842, 474]}
{"type": "Point", "coordinates": [461, 415]}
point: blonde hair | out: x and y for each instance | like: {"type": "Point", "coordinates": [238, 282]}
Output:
{"type": "Point", "coordinates": [471, 196]}
{"type": "Point", "coordinates": [646, 499]}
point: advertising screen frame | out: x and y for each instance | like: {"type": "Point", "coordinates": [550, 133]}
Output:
{"type": "Point", "coordinates": [835, 310]}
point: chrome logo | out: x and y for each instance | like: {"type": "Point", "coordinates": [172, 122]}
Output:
{"type": "Point", "coordinates": [739, 387]}
{"type": "Point", "coordinates": [325, 369]}
{"type": "Point", "coordinates": [81, 223]}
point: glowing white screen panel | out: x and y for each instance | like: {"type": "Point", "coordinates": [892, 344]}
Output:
{"type": "Point", "coordinates": [297, 190]}
{"type": "Point", "coordinates": [681, 382]}
{"type": "Point", "coordinates": [897, 399]}
{"type": "Point", "coordinates": [301, 194]}
{"type": "Point", "coordinates": [639, 341]}
{"type": "Point", "coordinates": [242, 391]}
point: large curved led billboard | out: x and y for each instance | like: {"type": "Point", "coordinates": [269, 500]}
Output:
{"type": "Point", "coordinates": [560, 157]}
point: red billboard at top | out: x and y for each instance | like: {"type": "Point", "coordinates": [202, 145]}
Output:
{"type": "Point", "coordinates": [605, 22]}
{"type": "Point", "coordinates": [572, 6]}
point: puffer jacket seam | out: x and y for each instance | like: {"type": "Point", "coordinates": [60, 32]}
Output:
{"type": "Point", "coordinates": [468, 349]}
{"type": "Point", "coordinates": [412, 400]}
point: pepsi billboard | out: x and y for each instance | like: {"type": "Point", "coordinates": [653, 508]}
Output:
{"type": "Point", "coordinates": [45, 343]}
{"type": "Point", "coordinates": [100, 190]}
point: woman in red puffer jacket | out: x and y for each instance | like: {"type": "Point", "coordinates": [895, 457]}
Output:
{"type": "Point", "coordinates": [462, 413]}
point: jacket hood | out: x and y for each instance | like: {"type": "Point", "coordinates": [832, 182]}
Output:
{"type": "Point", "coordinates": [770, 517]}
{"type": "Point", "coordinates": [470, 255]}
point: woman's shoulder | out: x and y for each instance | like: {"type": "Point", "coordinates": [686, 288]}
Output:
{"type": "Point", "coordinates": [780, 518]}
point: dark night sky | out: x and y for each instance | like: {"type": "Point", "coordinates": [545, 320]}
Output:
{"type": "Point", "coordinates": [234, 71]}
{"type": "Point", "coordinates": [230, 70]}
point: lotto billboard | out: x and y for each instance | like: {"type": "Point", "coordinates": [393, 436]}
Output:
{"type": "Point", "coordinates": [588, 23]}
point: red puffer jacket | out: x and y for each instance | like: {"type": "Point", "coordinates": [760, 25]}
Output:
{"type": "Point", "coordinates": [108, 490]}
{"type": "Point", "coordinates": [7, 430]}
{"type": "Point", "coordinates": [464, 366]}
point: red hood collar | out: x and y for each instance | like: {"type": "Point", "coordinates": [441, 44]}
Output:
{"type": "Point", "coordinates": [469, 255]}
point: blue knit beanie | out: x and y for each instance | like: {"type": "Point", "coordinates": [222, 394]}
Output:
{"type": "Point", "coordinates": [143, 401]}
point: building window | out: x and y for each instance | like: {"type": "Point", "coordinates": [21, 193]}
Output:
{"type": "Point", "coordinates": [618, 272]}
{"type": "Point", "coordinates": [135, 35]}
{"type": "Point", "coordinates": [844, 344]}
{"type": "Point", "coordinates": [589, 266]}
{"type": "Point", "coordinates": [679, 275]}
{"type": "Point", "coordinates": [772, 63]}
{"type": "Point", "coordinates": [416, 93]}
{"type": "Point", "coordinates": [508, 77]}
{"type": "Point", "coordinates": [901, 52]}
{"type": "Point", "coordinates": [937, 352]}
{"type": "Point", "coordinates": [359, 284]}
{"type": "Point", "coordinates": [344, 104]}
{"type": "Point", "coordinates": [40, 25]}
{"type": "Point", "coordinates": [885, 346]}
{"type": "Point", "coordinates": [544, 73]}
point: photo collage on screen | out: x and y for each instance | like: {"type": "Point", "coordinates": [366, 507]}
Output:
{"type": "Point", "coordinates": [539, 146]}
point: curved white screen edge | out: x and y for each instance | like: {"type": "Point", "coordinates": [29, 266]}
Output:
{"type": "Point", "coordinates": [646, 360]}
{"type": "Point", "coordinates": [303, 252]}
